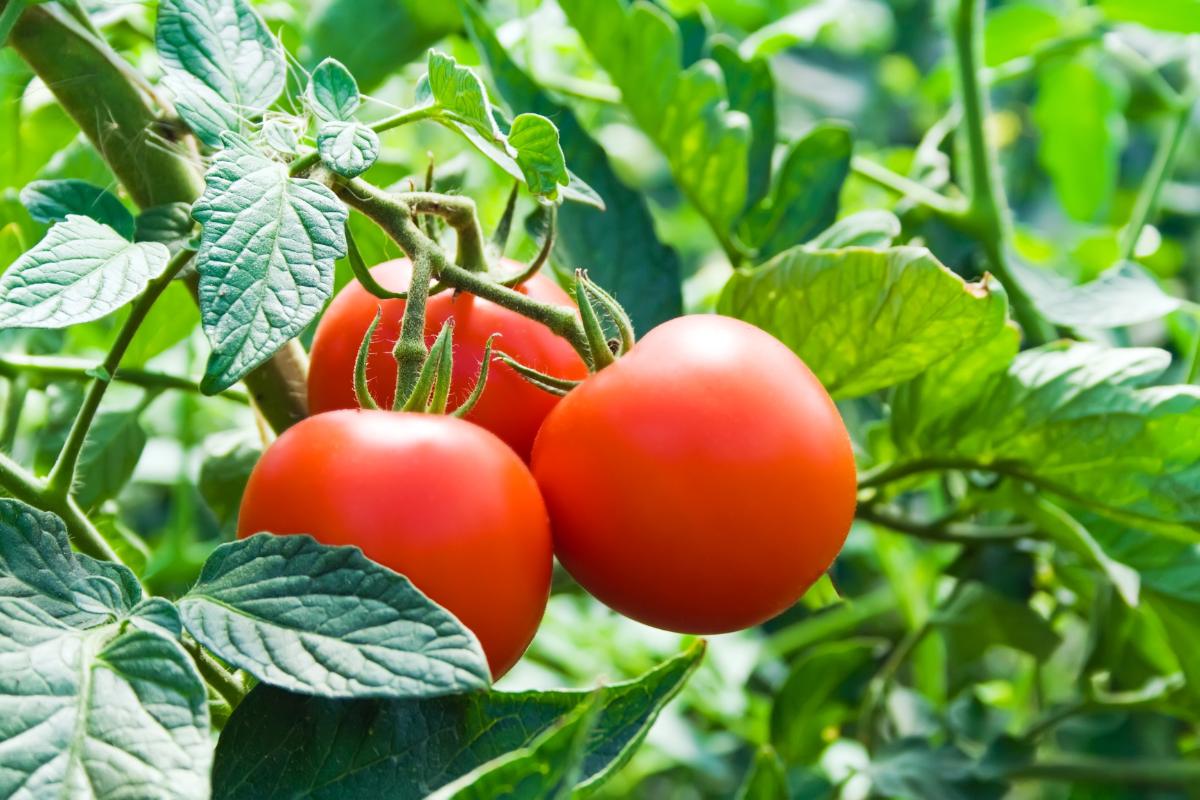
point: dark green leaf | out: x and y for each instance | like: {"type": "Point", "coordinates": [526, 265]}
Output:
{"type": "Point", "coordinates": [977, 617]}
{"type": "Point", "coordinates": [805, 198]}
{"type": "Point", "coordinates": [170, 320]}
{"type": "Point", "coordinates": [347, 148]}
{"type": "Point", "coordinates": [278, 745]}
{"type": "Point", "coordinates": [170, 224]}
{"type": "Point", "coordinates": [265, 260]}
{"type": "Point", "coordinates": [53, 201]}
{"type": "Point", "coordinates": [223, 475]}
{"type": "Point", "coordinates": [81, 271]}
{"type": "Point", "coordinates": [333, 91]}
{"type": "Point", "coordinates": [326, 620]}
{"type": "Point", "coordinates": [619, 245]}
{"type": "Point", "coordinates": [110, 454]}
{"type": "Point", "coordinates": [222, 64]}
{"type": "Point", "coordinates": [916, 768]}
{"type": "Point", "coordinates": [864, 319]}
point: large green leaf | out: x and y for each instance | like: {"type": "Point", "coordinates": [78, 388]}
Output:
{"type": "Point", "coordinates": [79, 272]}
{"type": "Point", "coordinates": [618, 245]}
{"type": "Point", "coordinates": [1079, 117]}
{"type": "Point", "coordinates": [864, 319]}
{"type": "Point", "coordinates": [1072, 418]}
{"type": "Point", "coordinates": [223, 66]}
{"type": "Point", "coordinates": [1177, 16]}
{"type": "Point", "coordinates": [1124, 294]}
{"type": "Point", "coordinates": [266, 258]}
{"type": "Point", "coordinates": [327, 621]}
{"type": "Point", "coordinates": [109, 712]}
{"type": "Point", "coordinates": [54, 201]}
{"type": "Point", "coordinates": [279, 745]}
{"type": "Point", "coordinates": [685, 111]}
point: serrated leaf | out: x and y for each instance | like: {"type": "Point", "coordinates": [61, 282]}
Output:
{"type": "Point", "coordinates": [110, 454]}
{"type": "Point", "coordinates": [328, 621]}
{"type": "Point", "coordinates": [279, 745]}
{"type": "Point", "coordinates": [1124, 294]}
{"type": "Point", "coordinates": [265, 259]}
{"type": "Point", "coordinates": [547, 769]}
{"type": "Point", "coordinates": [347, 148]}
{"type": "Point", "coordinates": [619, 246]}
{"type": "Point", "coordinates": [686, 112]}
{"type": "Point", "coordinates": [79, 272]}
{"type": "Point", "coordinates": [54, 201]}
{"type": "Point", "coordinates": [170, 224]}
{"type": "Point", "coordinates": [37, 566]}
{"type": "Point", "coordinates": [458, 89]}
{"type": "Point", "coordinates": [280, 137]}
{"type": "Point", "coordinates": [538, 153]}
{"type": "Point", "coordinates": [333, 91]}
{"type": "Point", "coordinates": [864, 319]}
{"type": "Point", "coordinates": [221, 62]}
{"type": "Point", "coordinates": [101, 713]}
{"type": "Point", "coordinates": [1074, 419]}
{"type": "Point", "coordinates": [865, 229]}
{"type": "Point", "coordinates": [804, 200]}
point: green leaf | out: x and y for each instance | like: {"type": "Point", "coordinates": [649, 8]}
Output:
{"type": "Point", "coordinates": [265, 260]}
{"type": "Point", "coordinates": [686, 112]}
{"type": "Point", "coordinates": [170, 320]}
{"type": "Point", "coordinates": [38, 567]}
{"type": "Point", "coordinates": [978, 617]}
{"type": "Point", "coordinates": [541, 159]}
{"type": "Point", "coordinates": [110, 454]}
{"type": "Point", "coordinates": [278, 745]}
{"type": "Point", "coordinates": [751, 90]}
{"type": "Point", "coordinates": [1079, 116]}
{"type": "Point", "coordinates": [333, 91]}
{"type": "Point", "coordinates": [1073, 419]}
{"type": "Point", "coordinates": [281, 137]}
{"type": "Point", "coordinates": [79, 272]}
{"type": "Point", "coordinates": [821, 691]}
{"type": "Point", "coordinates": [619, 245]}
{"type": "Point", "coordinates": [805, 198]}
{"type": "Point", "coordinates": [129, 547]}
{"type": "Point", "coordinates": [547, 769]}
{"type": "Point", "coordinates": [1017, 29]}
{"type": "Point", "coordinates": [347, 148]}
{"type": "Point", "coordinates": [913, 767]}
{"type": "Point", "coordinates": [766, 780]}
{"type": "Point", "coordinates": [1124, 294]}
{"type": "Point", "coordinates": [222, 64]}
{"type": "Point", "coordinates": [864, 319]}
{"type": "Point", "coordinates": [170, 224]}
{"type": "Point", "coordinates": [1175, 16]}
{"type": "Point", "coordinates": [54, 201]}
{"type": "Point", "coordinates": [224, 473]}
{"type": "Point", "coordinates": [459, 90]}
{"type": "Point", "coordinates": [876, 229]}
{"type": "Point", "coordinates": [104, 713]}
{"type": "Point", "coordinates": [326, 620]}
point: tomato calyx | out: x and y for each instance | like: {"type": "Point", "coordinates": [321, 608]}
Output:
{"type": "Point", "coordinates": [596, 306]}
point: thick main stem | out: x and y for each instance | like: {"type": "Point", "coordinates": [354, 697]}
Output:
{"type": "Point", "coordinates": [411, 351]}
{"type": "Point", "coordinates": [93, 85]}
{"type": "Point", "coordinates": [987, 207]}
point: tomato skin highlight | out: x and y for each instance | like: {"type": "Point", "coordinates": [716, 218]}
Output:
{"type": "Point", "coordinates": [701, 483]}
{"type": "Point", "coordinates": [510, 407]}
{"type": "Point", "coordinates": [434, 498]}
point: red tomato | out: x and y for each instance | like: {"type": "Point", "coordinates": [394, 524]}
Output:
{"type": "Point", "coordinates": [435, 498]}
{"type": "Point", "coordinates": [701, 483]}
{"type": "Point", "coordinates": [510, 407]}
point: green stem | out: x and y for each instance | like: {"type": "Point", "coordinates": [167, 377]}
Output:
{"type": "Point", "coordinates": [459, 213]}
{"type": "Point", "coordinates": [889, 473]}
{"type": "Point", "coordinates": [1163, 773]}
{"type": "Point", "coordinates": [944, 207]}
{"type": "Point", "coordinates": [395, 217]}
{"type": "Point", "coordinates": [53, 368]}
{"type": "Point", "coordinates": [877, 690]}
{"type": "Point", "coordinates": [309, 160]}
{"type": "Point", "coordinates": [836, 622]}
{"type": "Point", "coordinates": [944, 531]}
{"type": "Point", "coordinates": [23, 486]}
{"type": "Point", "coordinates": [62, 474]}
{"type": "Point", "coordinates": [219, 678]}
{"type": "Point", "coordinates": [410, 350]}
{"type": "Point", "coordinates": [14, 403]}
{"type": "Point", "coordinates": [987, 208]}
{"type": "Point", "coordinates": [1146, 206]}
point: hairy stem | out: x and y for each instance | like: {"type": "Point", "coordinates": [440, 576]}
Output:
{"type": "Point", "coordinates": [62, 474]}
{"type": "Point", "coordinates": [410, 350]}
{"type": "Point", "coordinates": [987, 207]}
{"type": "Point", "coordinates": [459, 213]}
{"type": "Point", "coordinates": [219, 678]}
{"type": "Point", "coordinates": [76, 369]}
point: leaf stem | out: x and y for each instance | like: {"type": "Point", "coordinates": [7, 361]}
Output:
{"type": "Point", "coordinates": [62, 474]}
{"type": "Point", "coordinates": [51, 368]}
{"type": "Point", "coordinates": [1161, 167]}
{"type": "Point", "coordinates": [459, 213]}
{"type": "Point", "coordinates": [987, 208]}
{"type": "Point", "coordinates": [219, 678]}
{"type": "Point", "coordinates": [945, 207]}
{"type": "Point", "coordinates": [943, 531]}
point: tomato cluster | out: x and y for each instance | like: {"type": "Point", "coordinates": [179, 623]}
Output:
{"type": "Point", "coordinates": [701, 483]}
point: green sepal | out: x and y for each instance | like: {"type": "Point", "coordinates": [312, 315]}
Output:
{"type": "Point", "coordinates": [480, 382]}
{"type": "Point", "coordinates": [427, 381]}
{"type": "Point", "coordinates": [361, 391]}
{"type": "Point", "coordinates": [601, 355]}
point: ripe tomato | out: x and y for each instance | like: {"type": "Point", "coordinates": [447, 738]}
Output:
{"type": "Point", "coordinates": [510, 407]}
{"type": "Point", "coordinates": [435, 498]}
{"type": "Point", "coordinates": [702, 482]}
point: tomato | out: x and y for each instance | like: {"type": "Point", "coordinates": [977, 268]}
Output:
{"type": "Point", "coordinates": [510, 407]}
{"type": "Point", "coordinates": [702, 482]}
{"type": "Point", "coordinates": [435, 498]}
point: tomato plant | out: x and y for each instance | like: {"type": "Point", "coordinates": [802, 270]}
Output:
{"type": "Point", "coordinates": [509, 407]}
{"type": "Point", "coordinates": [707, 426]}
{"type": "Point", "coordinates": [863, 333]}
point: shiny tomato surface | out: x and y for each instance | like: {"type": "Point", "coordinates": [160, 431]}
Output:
{"type": "Point", "coordinates": [701, 483]}
{"type": "Point", "coordinates": [510, 407]}
{"type": "Point", "coordinates": [435, 498]}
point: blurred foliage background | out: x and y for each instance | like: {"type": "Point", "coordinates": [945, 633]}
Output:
{"type": "Point", "coordinates": [974, 654]}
